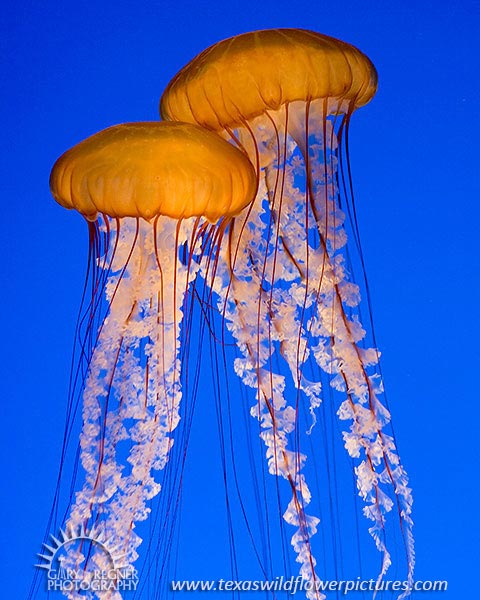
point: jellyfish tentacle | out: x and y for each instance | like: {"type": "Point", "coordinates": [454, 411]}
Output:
{"type": "Point", "coordinates": [353, 362]}
{"type": "Point", "coordinates": [278, 419]}
{"type": "Point", "coordinates": [326, 287]}
{"type": "Point", "coordinates": [132, 394]}
{"type": "Point", "coordinates": [252, 311]}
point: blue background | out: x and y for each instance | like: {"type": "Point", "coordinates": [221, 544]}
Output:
{"type": "Point", "coordinates": [70, 69]}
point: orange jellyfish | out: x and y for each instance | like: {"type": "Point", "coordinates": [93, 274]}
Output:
{"type": "Point", "coordinates": [284, 280]}
{"type": "Point", "coordinates": [151, 193]}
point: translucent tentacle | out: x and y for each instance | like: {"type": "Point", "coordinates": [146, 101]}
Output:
{"type": "Point", "coordinates": [132, 392]}
{"type": "Point", "coordinates": [308, 273]}
{"type": "Point", "coordinates": [257, 315]}
{"type": "Point", "coordinates": [339, 353]}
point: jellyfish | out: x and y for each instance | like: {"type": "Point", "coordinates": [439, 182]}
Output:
{"type": "Point", "coordinates": [154, 196]}
{"type": "Point", "coordinates": [284, 284]}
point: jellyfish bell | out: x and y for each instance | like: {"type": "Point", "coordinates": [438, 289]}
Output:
{"type": "Point", "coordinates": [144, 170]}
{"type": "Point", "coordinates": [265, 70]}
{"type": "Point", "coordinates": [286, 291]}
{"type": "Point", "coordinates": [150, 192]}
